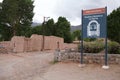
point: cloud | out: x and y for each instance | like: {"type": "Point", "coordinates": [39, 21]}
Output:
{"type": "Point", "coordinates": [43, 8]}
{"type": "Point", "coordinates": [1, 0]}
{"type": "Point", "coordinates": [71, 9]}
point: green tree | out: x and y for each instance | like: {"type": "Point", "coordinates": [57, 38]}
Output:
{"type": "Point", "coordinates": [32, 30]}
{"type": "Point", "coordinates": [37, 30]}
{"type": "Point", "coordinates": [17, 15]}
{"type": "Point", "coordinates": [5, 33]}
{"type": "Point", "coordinates": [62, 29]}
{"type": "Point", "coordinates": [49, 27]}
{"type": "Point", "coordinates": [113, 22]}
{"type": "Point", "coordinates": [77, 34]}
{"type": "Point", "coordinates": [4, 30]}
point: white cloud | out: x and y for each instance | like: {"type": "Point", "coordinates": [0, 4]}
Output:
{"type": "Point", "coordinates": [71, 9]}
{"type": "Point", "coordinates": [43, 8]}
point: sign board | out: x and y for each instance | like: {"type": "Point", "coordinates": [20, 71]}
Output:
{"type": "Point", "coordinates": [94, 23]}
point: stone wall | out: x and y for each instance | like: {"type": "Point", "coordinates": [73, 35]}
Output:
{"type": "Point", "coordinates": [69, 55]}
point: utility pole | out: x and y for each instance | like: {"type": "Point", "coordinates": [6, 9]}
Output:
{"type": "Point", "coordinates": [43, 34]}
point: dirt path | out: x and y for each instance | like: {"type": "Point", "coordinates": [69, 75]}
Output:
{"type": "Point", "coordinates": [71, 71]}
{"type": "Point", "coordinates": [24, 66]}
{"type": "Point", "coordinates": [37, 66]}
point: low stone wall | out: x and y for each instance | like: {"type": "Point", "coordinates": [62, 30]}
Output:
{"type": "Point", "coordinates": [69, 55]}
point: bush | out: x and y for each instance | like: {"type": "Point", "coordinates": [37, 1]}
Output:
{"type": "Point", "coordinates": [92, 47]}
{"type": "Point", "coordinates": [98, 45]}
{"type": "Point", "coordinates": [89, 39]}
{"type": "Point", "coordinates": [113, 47]}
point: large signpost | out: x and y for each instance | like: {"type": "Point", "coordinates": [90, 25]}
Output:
{"type": "Point", "coordinates": [94, 25]}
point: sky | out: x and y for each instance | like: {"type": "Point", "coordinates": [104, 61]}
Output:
{"type": "Point", "coordinates": [71, 9]}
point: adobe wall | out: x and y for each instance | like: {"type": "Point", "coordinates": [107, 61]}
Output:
{"type": "Point", "coordinates": [6, 45]}
{"type": "Point", "coordinates": [27, 45]}
{"type": "Point", "coordinates": [68, 45]}
{"type": "Point", "coordinates": [35, 43]}
{"type": "Point", "coordinates": [53, 42]}
{"type": "Point", "coordinates": [17, 43]}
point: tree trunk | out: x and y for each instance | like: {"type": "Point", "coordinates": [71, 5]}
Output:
{"type": "Point", "coordinates": [14, 30]}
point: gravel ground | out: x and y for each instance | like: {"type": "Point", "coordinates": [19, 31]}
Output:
{"type": "Point", "coordinates": [71, 71]}
{"type": "Point", "coordinates": [24, 66]}
{"type": "Point", "coordinates": [39, 66]}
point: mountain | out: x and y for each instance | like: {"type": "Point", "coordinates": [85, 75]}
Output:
{"type": "Point", "coordinates": [74, 28]}
{"type": "Point", "coordinates": [35, 24]}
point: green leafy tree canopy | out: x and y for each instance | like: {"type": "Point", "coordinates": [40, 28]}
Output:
{"type": "Point", "coordinates": [62, 29]}
{"type": "Point", "coordinates": [16, 13]}
{"type": "Point", "coordinates": [113, 22]}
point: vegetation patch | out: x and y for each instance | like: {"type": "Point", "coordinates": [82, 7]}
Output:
{"type": "Point", "coordinates": [93, 47]}
{"type": "Point", "coordinates": [113, 47]}
{"type": "Point", "coordinates": [99, 45]}
{"type": "Point", "coordinates": [54, 62]}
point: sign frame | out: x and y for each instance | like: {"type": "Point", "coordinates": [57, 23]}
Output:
{"type": "Point", "coordinates": [98, 11]}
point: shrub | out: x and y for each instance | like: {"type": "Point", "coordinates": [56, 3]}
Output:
{"type": "Point", "coordinates": [89, 39]}
{"type": "Point", "coordinates": [98, 45]}
{"type": "Point", "coordinates": [92, 47]}
{"type": "Point", "coordinates": [113, 47]}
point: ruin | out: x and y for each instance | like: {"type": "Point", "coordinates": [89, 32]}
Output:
{"type": "Point", "coordinates": [35, 43]}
